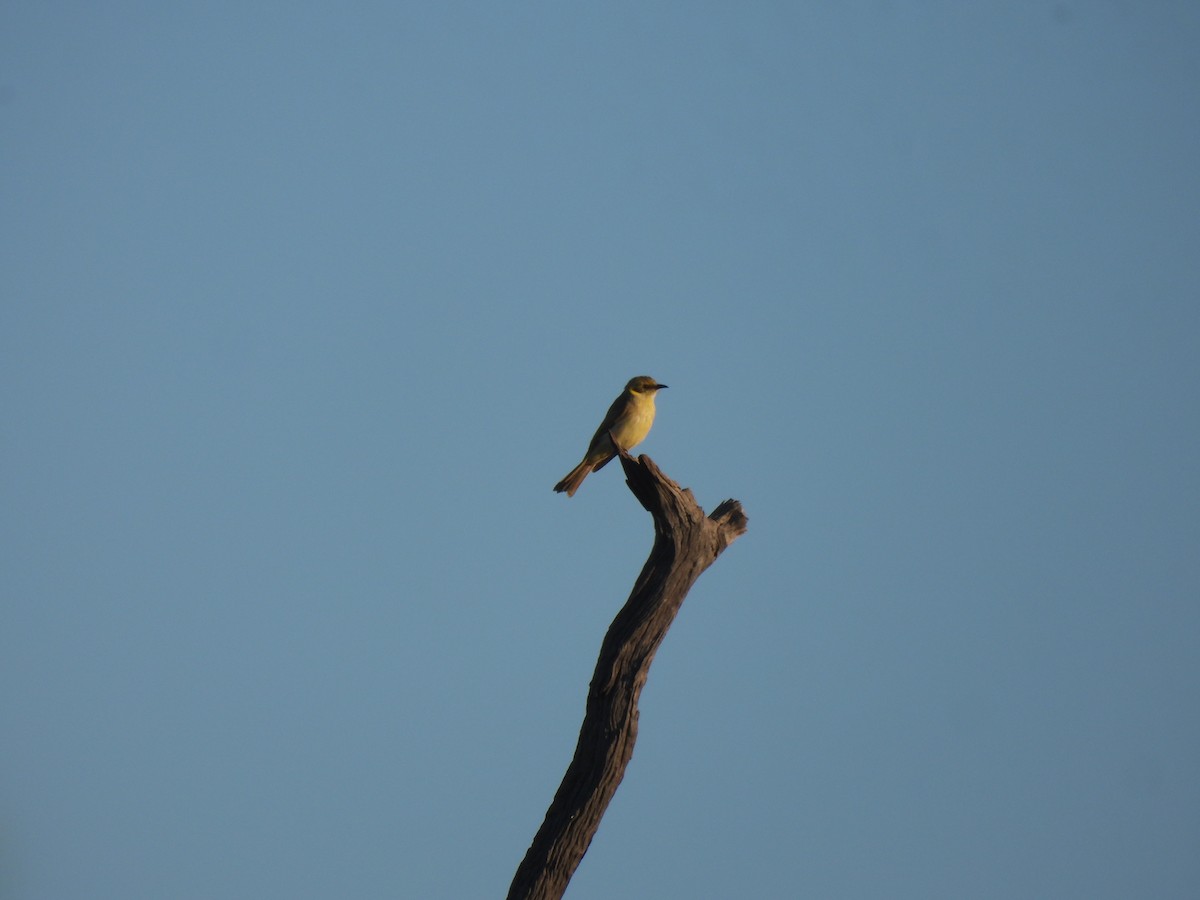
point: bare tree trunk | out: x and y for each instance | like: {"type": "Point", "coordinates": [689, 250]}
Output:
{"type": "Point", "coordinates": [686, 542]}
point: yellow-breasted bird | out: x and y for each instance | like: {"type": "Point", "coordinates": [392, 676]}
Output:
{"type": "Point", "coordinates": [628, 421]}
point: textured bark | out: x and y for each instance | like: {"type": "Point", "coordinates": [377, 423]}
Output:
{"type": "Point", "coordinates": [686, 542]}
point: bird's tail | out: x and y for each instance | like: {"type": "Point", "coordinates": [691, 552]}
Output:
{"type": "Point", "coordinates": [574, 479]}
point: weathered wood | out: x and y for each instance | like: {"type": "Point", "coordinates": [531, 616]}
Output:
{"type": "Point", "coordinates": [686, 542]}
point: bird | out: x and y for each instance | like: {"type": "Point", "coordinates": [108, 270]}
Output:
{"type": "Point", "coordinates": [627, 422]}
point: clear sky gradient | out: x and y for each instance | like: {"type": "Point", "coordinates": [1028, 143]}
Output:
{"type": "Point", "coordinates": [304, 308]}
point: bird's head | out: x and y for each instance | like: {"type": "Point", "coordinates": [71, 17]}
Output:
{"type": "Point", "coordinates": [643, 384]}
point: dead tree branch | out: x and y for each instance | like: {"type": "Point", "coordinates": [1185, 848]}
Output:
{"type": "Point", "coordinates": [686, 542]}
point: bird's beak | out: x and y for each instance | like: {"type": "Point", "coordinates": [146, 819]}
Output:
{"type": "Point", "coordinates": [659, 387]}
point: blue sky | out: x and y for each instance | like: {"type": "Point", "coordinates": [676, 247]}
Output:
{"type": "Point", "coordinates": [307, 307]}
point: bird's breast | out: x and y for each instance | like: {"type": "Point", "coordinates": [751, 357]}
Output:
{"type": "Point", "coordinates": [632, 428]}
